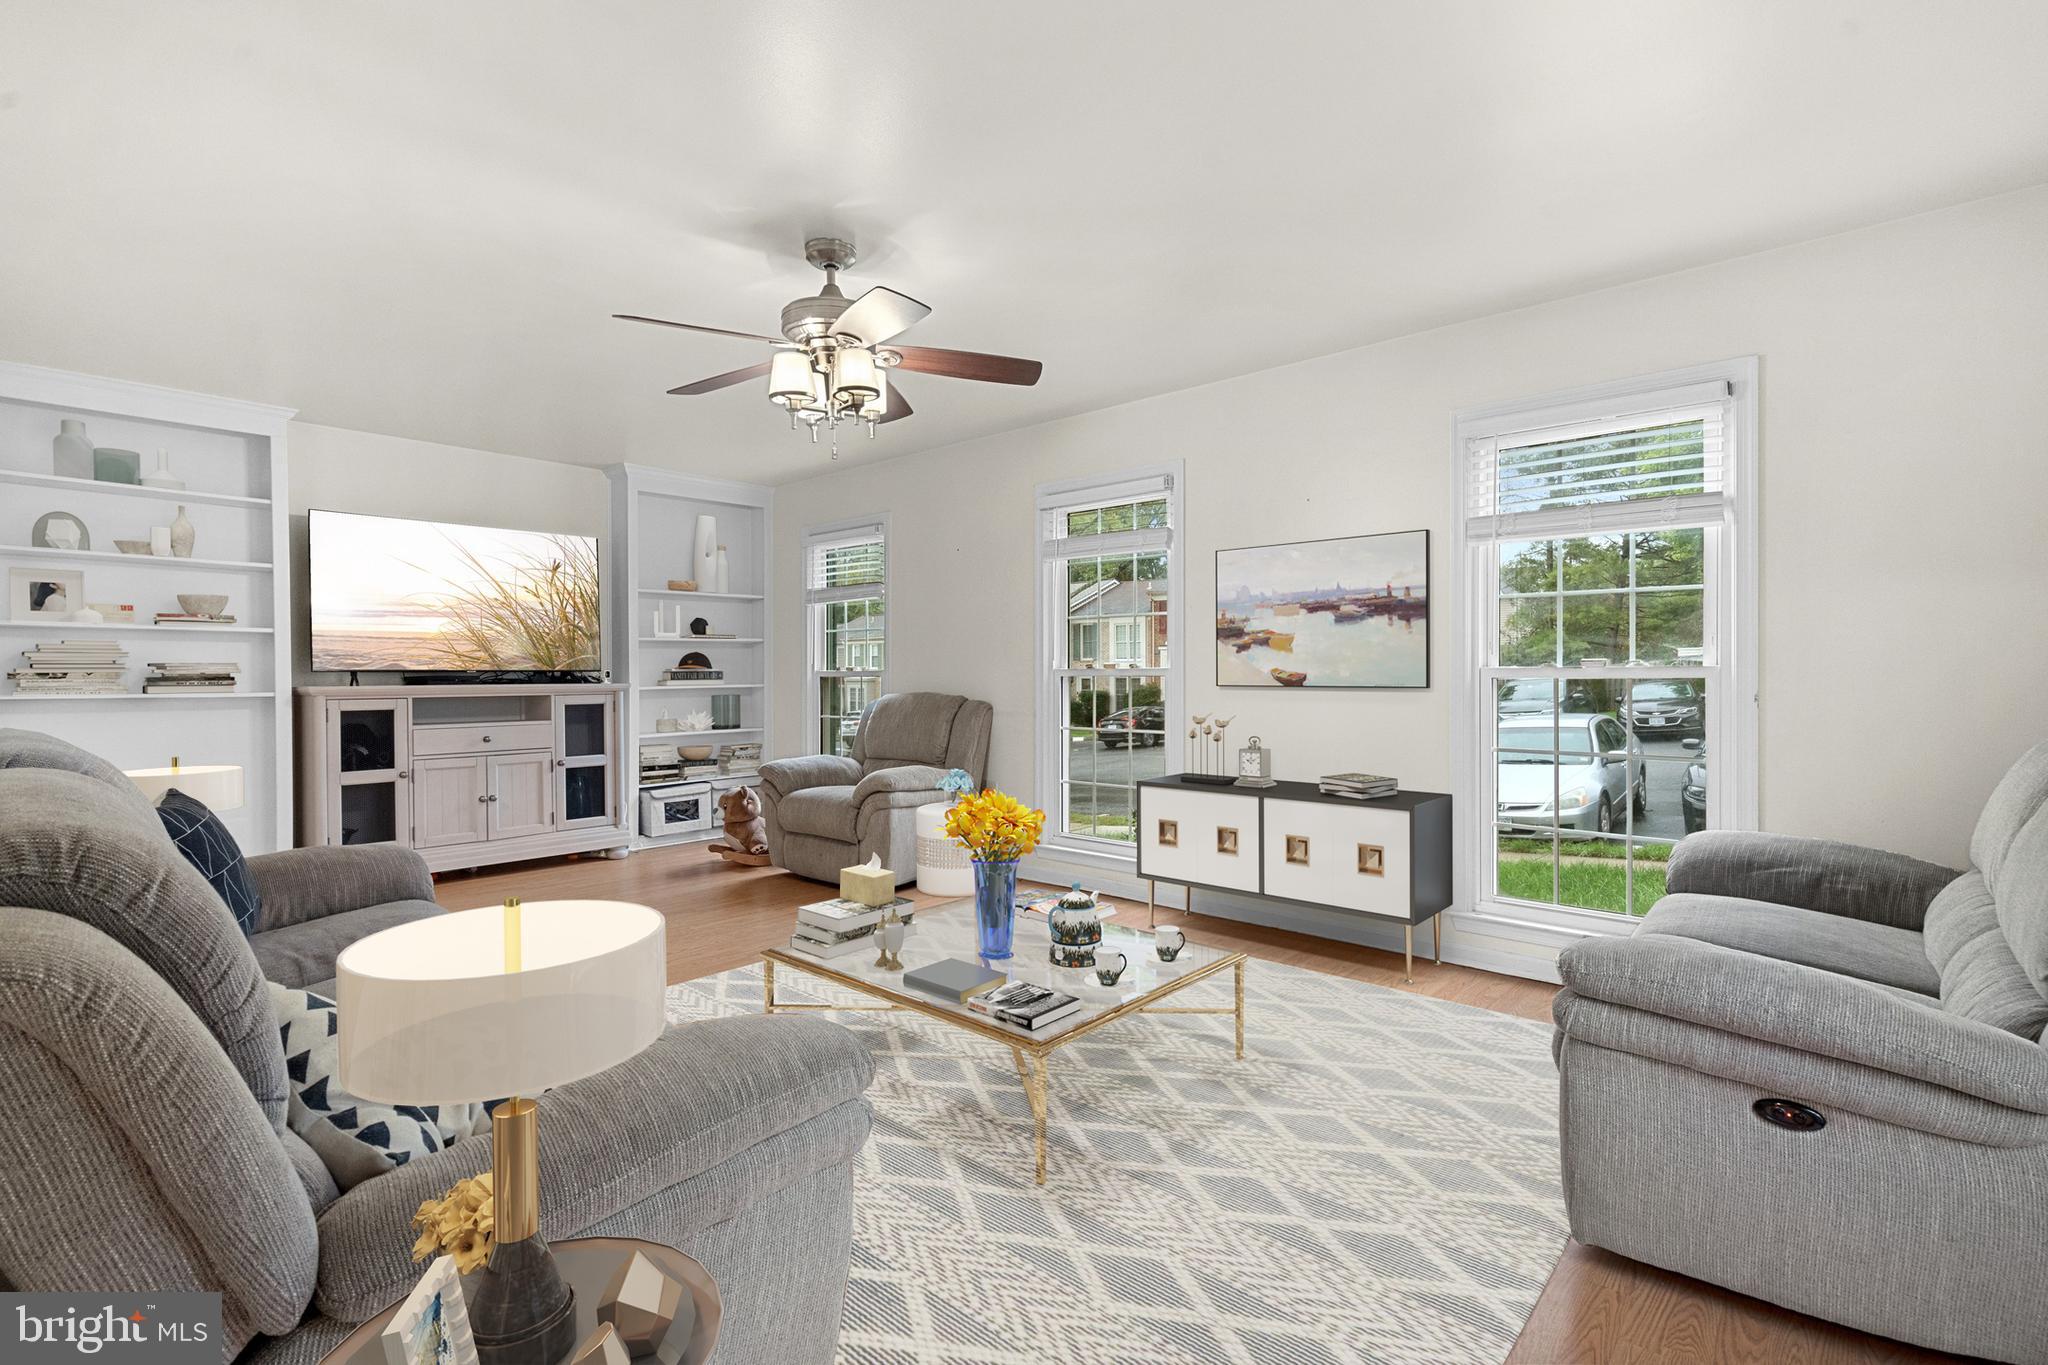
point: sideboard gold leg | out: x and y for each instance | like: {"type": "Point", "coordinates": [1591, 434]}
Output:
{"type": "Point", "coordinates": [1151, 904]}
{"type": "Point", "coordinates": [1190, 909]}
{"type": "Point", "coordinates": [1240, 1011]}
{"type": "Point", "coordinates": [1408, 954]}
{"type": "Point", "coordinates": [1436, 928]}
{"type": "Point", "coordinates": [767, 987]}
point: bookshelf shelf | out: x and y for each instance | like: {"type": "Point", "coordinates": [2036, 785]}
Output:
{"type": "Point", "coordinates": [30, 479]}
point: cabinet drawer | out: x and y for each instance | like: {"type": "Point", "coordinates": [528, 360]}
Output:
{"type": "Point", "coordinates": [1206, 837]}
{"type": "Point", "coordinates": [1313, 853]}
{"type": "Point", "coordinates": [482, 739]}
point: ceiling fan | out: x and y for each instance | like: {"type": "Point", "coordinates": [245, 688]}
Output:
{"type": "Point", "coordinates": [832, 361]}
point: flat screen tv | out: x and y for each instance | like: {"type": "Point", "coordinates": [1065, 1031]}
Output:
{"type": "Point", "coordinates": [437, 597]}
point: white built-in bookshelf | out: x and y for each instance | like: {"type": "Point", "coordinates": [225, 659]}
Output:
{"type": "Point", "coordinates": [653, 542]}
{"type": "Point", "coordinates": [231, 457]}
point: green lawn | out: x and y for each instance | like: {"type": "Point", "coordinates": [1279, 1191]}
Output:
{"type": "Point", "coordinates": [1593, 885]}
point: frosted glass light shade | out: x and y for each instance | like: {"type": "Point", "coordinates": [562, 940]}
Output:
{"type": "Point", "coordinates": [873, 409]}
{"type": "Point", "coordinates": [789, 378]}
{"type": "Point", "coordinates": [217, 786]}
{"type": "Point", "coordinates": [853, 376]}
{"type": "Point", "coordinates": [430, 1013]}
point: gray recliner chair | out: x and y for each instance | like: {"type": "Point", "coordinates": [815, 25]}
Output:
{"type": "Point", "coordinates": [825, 812]}
{"type": "Point", "coordinates": [143, 1094]}
{"type": "Point", "coordinates": [1815, 1075]}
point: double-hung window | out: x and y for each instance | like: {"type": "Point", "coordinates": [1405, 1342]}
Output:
{"type": "Point", "coordinates": [846, 581]}
{"type": "Point", "coordinates": [1109, 582]}
{"type": "Point", "coordinates": [1607, 687]}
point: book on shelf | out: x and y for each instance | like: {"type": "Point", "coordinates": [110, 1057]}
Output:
{"type": "Point", "coordinates": [1023, 1005]}
{"type": "Point", "coordinates": [713, 635]}
{"type": "Point", "coordinates": [187, 618]}
{"type": "Point", "coordinates": [841, 914]}
{"type": "Point", "coordinates": [187, 689]}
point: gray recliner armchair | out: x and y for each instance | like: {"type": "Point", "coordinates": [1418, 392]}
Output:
{"type": "Point", "coordinates": [1815, 1075]}
{"type": "Point", "coordinates": [143, 1094]}
{"type": "Point", "coordinates": [825, 812]}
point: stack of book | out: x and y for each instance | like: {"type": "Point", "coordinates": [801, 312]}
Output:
{"type": "Point", "coordinates": [72, 668]}
{"type": "Point", "coordinates": [740, 760]}
{"type": "Point", "coordinates": [191, 677]}
{"type": "Point", "coordinates": [1024, 1006]}
{"type": "Point", "coordinates": [1358, 786]}
{"type": "Point", "coordinates": [672, 676]}
{"type": "Point", "coordinates": [711, 635]}
{"type": "Point", "coordinates": [837, 927]}
{"type": "Point", "coordinates": [658, 763]}
{"type": "Point", "coordinates": [699, 767]}
{"type": "Point", "coordinates": [191, 618]}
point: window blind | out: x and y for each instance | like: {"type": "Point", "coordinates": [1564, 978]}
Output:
{"type": "Point", "coordinates": [1662, 464]}
{"type": "Point", "coordinates": [1130, 518]}
{"type": "Point", "coordinates": [845, 564]}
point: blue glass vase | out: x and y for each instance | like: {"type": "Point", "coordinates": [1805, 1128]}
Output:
{"type": "Point", "coordinates": [995, 906]}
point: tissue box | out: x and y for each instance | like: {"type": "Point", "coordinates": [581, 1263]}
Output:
{"type": "Point", "coordinates": [867, 885]}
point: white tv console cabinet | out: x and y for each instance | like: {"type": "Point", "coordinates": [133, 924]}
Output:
{"type": "Point", "coordinates": [467, 775]}
{"type": "Point", "coordinates": [1389, 858]}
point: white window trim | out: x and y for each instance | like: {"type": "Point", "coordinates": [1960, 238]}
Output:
{"type": "Point", "coordinates": [1050, 709]}
{"type": "Point", "coordinates": [1732, 803]}
{"type": "Point", "coordinates": [813, 713]}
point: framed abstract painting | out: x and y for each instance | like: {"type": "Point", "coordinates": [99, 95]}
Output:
{"type": "Point", "coordinates": [1347, 612]}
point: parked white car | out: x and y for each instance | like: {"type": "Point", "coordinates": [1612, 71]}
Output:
{"type": "Point", "coordinates": [1596, 768]}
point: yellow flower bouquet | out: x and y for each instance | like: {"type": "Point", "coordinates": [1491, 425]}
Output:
{"type": "Point", "coordinates": [997, 829]}
{"type": "Point", "coordinates": [995, 826]}
{"type": "Point", "coordinates": [459, 1223]}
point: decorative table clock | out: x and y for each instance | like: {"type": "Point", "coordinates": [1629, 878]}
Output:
{"type": "Point", "coordinates": [1076, 924]}
{"type": "Point", "coordinates": [1255, 765]}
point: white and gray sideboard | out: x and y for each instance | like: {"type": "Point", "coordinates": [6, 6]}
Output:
{"type": "Point", "coordinates": [1389, 858]}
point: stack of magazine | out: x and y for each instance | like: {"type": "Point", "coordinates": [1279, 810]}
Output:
{"type": "Point", "coordinates": [72, 668]}
{"type": "Point", "coordinates": [837, 927]}
{"type": "Point", "coordinates": [1022, 1005]}
{"type": "Point", "coordinates": [188, 678]}
{"type": "Point", "coordinates": [1358, 786]}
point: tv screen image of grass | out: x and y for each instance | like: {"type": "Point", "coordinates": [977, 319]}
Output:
{"type": "Point", "coordinates": [430, 596]}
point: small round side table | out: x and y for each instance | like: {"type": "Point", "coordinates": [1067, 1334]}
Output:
{"type": "Point", "coordinates": [588, 1264]}
{"type": "Point", "coordinates": [943, 867]}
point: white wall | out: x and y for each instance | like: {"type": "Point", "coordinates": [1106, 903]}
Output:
{"type": "Point", "coordinates": [338, 470]}
{"type": "Point", "coordinates": [1904, 478]}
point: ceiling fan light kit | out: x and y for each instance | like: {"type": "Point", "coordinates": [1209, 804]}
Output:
{"type": "Point", "coordinates": [831, 364]}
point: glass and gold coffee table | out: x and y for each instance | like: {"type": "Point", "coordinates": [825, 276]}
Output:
{"type": "Point", "coordinates": [944, 931]}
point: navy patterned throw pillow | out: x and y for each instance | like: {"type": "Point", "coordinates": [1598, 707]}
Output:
{"type": "Point", "coordinates": [208, 846]}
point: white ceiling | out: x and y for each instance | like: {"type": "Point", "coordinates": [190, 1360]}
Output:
{"type": "Point", "coordinates": [415, 218]}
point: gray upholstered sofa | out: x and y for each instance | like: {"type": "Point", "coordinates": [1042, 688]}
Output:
{"type": "Point", "coordinates": [826, 812]}
{"type": "Point", "coordinates": [1898, 1003]}
{"type": "Point", "coordinates": [143, 1097]}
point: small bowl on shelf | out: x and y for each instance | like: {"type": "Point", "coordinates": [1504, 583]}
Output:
{"type": "Point", "coordinates": [132, 547]}
{"type": "Point", "coordinates": [696, 753]}
{"type": "Point", "coordinates": [203, 603]}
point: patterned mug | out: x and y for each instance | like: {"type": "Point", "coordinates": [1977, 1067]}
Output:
{"type": "Point", "coordinates": [1168, 943]}
{"type": "Point", "coordinates": [1104, 972]}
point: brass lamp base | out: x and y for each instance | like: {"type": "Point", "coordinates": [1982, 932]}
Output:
{"type": "Point", "coordinates": [522, 1312]}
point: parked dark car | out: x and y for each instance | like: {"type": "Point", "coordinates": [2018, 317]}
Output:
{"type": "Point", "coordinates": [1659, 707]}
{"type": "Point", "coordinates": [1139, 727]}
{"type": "Point", "coordinates": [1692, 791]}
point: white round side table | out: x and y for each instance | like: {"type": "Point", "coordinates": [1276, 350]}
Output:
{"type": "Point", "coordinates": [943, 867]}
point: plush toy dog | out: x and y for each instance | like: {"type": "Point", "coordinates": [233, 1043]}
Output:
{"type": "Point", "coordinates": [745, 830]}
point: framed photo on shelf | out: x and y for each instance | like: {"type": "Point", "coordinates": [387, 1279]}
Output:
{"type": "Point", "coordinates": [44, 594]}
{"type": "Point", "coordinates": [1350, 612]}
{"type": "Point", "coordinates": [432, 1326]}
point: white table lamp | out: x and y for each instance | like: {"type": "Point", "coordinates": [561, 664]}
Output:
{"type": "Point", "coordinates": [484, 1004]}
{"type": "Point", "coordinates": [217, 786]}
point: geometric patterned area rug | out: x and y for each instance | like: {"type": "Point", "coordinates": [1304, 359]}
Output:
{"type": "Point", "coordinates": [1375, 1182]}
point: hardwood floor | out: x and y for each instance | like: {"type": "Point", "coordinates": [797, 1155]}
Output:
{"type": "Point", "coordinates": [1597, 1309]}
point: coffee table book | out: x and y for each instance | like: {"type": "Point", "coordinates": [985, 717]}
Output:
{"type": "Point", "coordinates": [952, 978]}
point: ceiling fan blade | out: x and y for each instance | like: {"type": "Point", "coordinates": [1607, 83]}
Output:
{"type": "Point", "coordinates": [695, 327]}
{"type": "Point", "coordinates": [897, 406]}
{"type": "Point", "coordinates": [879, 314]}
{"type": "Point", "coordinates": [989, 369]}
{"type": "Point", "coordinates": [724, 381]}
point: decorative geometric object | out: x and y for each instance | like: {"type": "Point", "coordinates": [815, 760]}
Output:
{"type": "Point", "coordinates": [1348, 612]}
{"type": "Point", "coordinates": [651, 1311]}
{"type": "Point", "coordinates": [601, 1347]}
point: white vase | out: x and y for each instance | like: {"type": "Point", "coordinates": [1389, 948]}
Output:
{"type": "Point", "coordinates": [724, 570]}
{"type": "Point", "coordinates": [72, 450]}
{"type": "Point", "coordinates": [181, 534]}
{"type": "Point", "coordinates": [707, 553]}
{"type": "Point", "coordinates": [162, 477]}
